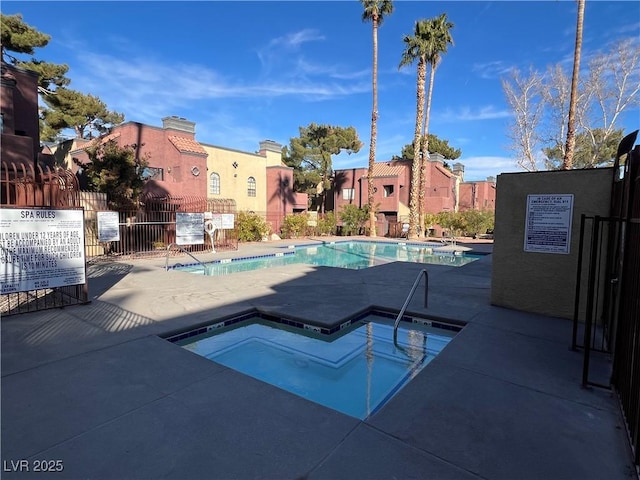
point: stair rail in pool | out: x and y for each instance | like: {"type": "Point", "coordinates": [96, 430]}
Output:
{"type": "Point", "coordinates": [166, 263]}
{"type": "Point", "coordinates": [406, 302]}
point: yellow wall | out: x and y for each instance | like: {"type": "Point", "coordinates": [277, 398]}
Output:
{"type": "Point", "coordinates": [233, 181]}
{"type": "Point", "coordinates": [542, 282]}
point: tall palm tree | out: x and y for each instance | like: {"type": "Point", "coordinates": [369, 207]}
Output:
{"type": "Point", "coordinates": [414, 50]}
{"type": "Point", "coordinates": [567, 162]}
{"type": "Point", "coordinates": [374, 11]}
{"type": "Point", "coordinates": [436, 38]}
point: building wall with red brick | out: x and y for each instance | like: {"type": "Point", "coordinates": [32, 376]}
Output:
{"type": "Point", "coordinates": [19, 108]}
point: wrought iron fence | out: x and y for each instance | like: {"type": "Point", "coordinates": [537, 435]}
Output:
{"type": "Point", "coordinates": [149, 230]}
{"type": "Point", "coordinates": [610, 252]}
{"type": "Point", "coordinates": [34, 186]}
{"type": "Point", "coordinates": [626, 355]}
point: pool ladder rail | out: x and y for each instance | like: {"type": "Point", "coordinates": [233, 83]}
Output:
{"type": "Point", "coordinates": [166, 263]}
{"type": "Point", "coordinates": [408, 300]}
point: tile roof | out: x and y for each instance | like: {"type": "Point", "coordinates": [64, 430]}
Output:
{"type": "Point", "coordinates": [187, 145]}
{"type": "Point", "coordinates": [386, 170]}
{"type": "Point", "coordinates": [111, 136]}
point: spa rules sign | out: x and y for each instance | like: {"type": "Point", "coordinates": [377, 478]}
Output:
{"type": "Point", "coordinates": [548, 223]}
{"type": "Point", "coordinates": [41, 248]}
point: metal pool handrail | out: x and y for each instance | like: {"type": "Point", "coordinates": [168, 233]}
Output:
{"type": "Point", "coordinates": [406, 302]}
{"type": "Point", "coordinates": [166, 263]}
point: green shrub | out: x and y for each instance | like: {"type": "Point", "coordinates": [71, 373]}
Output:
{"type": "Point", "coordinates": [451, 222]}
{"type": "Point", "coordinates": [353, 218]}
{"type": "Point", "coordinates": [327, 224]}
{"type": "Point", "coordinates": [294, 225]}
{"type": "Point", "coordinates": [477, 222]}
{"type": "Point", "coordinates": [251, 227]}
{"type": "Point", "coordinates": [469, 222]}
{"type": "Point", "coordinates": [430, 219]}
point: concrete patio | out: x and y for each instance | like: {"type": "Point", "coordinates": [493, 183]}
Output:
{"type": "Point", "coordinates": [96, 388]}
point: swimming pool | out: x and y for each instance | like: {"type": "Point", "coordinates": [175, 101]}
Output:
{"type": "Point", "coordinates": [351, 255]}
{"type": "Point", "coordinates": [354, 371]}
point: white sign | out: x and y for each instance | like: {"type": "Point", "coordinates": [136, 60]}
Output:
{"type": "Point", "coordinates": [548, 223]}
{"type": "Point", "coordinates": [223, 221]}
{"type": "Point", "coordinates": [189, 228]}
{"type": "Point", "coordinates": [108, 227]}
{"type": "Point", "coordinates": [228, 220]}
{"type": "Point", "coordinates": [41, 248]}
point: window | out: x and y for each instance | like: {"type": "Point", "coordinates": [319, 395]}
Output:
{"type": "Point", "coordinates": [388, 190]}
{"type": "Point", "coordinates": [348, 193]}
{"type": "Point", "coordinates": [152, 173]}
{"type": "Point", "coordinates": [214, 184]}
{"type": "Point", "coordinates": [251, 187]}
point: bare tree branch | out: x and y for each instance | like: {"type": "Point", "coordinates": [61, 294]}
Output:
{"type": "Point", "coordinates": [524, 95]}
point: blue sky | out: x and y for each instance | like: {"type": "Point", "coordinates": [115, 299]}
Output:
{"type": "Point", "coordinates": [249, 71]}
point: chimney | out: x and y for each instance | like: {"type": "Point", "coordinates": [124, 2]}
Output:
{"type": "Point", "coordinates": [270, 146]}
{"type": "Point", "coordinates": [458, 170]}
{"type": "Point", "coordinates": [9, 83]}
{"type": "Point", "coordinates": [436, 157]}
{"type": "Point", "coordinates": [179, 123]}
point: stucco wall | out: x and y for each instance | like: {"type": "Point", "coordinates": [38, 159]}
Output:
{"type": "Point", "coordinates": [477, 196]}
{"type": "Point", "coordinates": [235, 168]}
{"type": "Point", "coordinates": [541, 282]}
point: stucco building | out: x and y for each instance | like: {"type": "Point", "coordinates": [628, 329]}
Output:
{"type": "Point", "coordinates": [478, 195]}
{"type": "Point", "coordinates": [179, 166]}
{"type": "Point", "coordinates": [392, 187]}
{"type": "Point", "coordinates": [445, 190]}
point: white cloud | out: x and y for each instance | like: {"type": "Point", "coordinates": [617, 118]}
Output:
{"type": "Point", "coordinates": [279, 50]}
{"type": "Point", "coordinates": [488, 112]}
{"type": "Point", "coordinates": [491, 70]}
{"type": "Point", "coordinates": [481, 167]}
{"type": "Point", "coordinates": [295, 39]}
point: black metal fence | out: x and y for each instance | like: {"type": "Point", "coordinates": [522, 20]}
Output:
{"type": "Point", "coordinates": [610, 253]}
{"type": "Point", "coordinates": [626, 358]}
{"type": "Point", "coordinates": [626, 354]}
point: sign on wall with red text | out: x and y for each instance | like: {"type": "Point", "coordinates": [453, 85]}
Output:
{"type": "Point", "coordinates": [41, 248]}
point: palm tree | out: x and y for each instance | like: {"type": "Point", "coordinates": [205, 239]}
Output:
{"type": "Point", "coordinates": [567, 162]}
{"type": "Point", "coordinates": [374, 11]}
{"type": "Point", "coordinates": [436, 39]}
{"type": "Point", "coordinates": [414, 50]}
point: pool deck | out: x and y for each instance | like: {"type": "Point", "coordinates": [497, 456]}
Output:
{"type": "Point", "coordinates": [95, 387]}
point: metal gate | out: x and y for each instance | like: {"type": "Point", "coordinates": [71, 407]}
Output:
{"type": "Point", "coordinates": [626, 301]}
{"type": "Point", "coordinates": [612, 315]}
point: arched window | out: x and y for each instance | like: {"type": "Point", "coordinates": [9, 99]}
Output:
{"type": "Point", "coordinates": [214, 184]}
{"type": "Point", "coordinates": [251, 187]}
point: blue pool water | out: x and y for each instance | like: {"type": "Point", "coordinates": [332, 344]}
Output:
{"type": "Point", "coordinates": [355, 373]}
{"type": "Point", "coordinates": [351, 255]}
